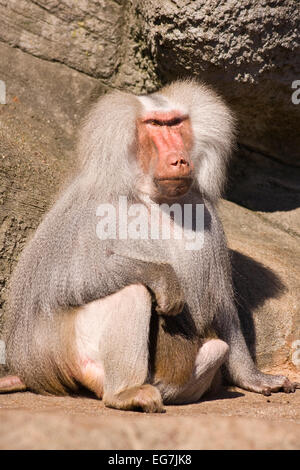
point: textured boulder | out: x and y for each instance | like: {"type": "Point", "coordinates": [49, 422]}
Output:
{"type": "Point", "coordinates": [44, 104]}
{"type": "Point", "coordinates": [85, 35]}
{"type": "Point", "coordinates": [161, 41]}
{"type": "Point", "coordinates": [266, 265]}
{"type": "Point", "coordinates": [249, 51]}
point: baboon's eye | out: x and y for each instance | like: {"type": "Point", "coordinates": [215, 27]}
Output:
{"type": "Point", "coordinates": [155, 122]}
{"type": "Point", "coordinates": [169, 122]}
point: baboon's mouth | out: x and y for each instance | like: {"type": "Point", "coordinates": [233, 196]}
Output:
{"type": "Point", "coordinates": [173, 187]}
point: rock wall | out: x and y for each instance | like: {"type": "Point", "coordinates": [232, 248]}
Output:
{"type": "Point", "coordinates": [58, 56]}
{"type": "Point", "coordinates": [248, 50]}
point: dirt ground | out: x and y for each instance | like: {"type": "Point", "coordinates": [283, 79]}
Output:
{"type": "Point", "coordinates": [235, 419]}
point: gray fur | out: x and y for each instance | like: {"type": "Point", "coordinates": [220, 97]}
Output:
{"type": "Point", "coordinates": [66, 266]}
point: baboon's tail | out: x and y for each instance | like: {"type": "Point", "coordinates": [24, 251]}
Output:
{"type": "Point", "coordinates": [11, 383]}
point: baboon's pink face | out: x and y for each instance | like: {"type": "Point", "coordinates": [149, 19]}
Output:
{"type": "Point", "coordinates": [164, 145]}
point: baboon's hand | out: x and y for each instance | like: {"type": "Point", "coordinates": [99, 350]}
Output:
{"type": "Point", "coordinates": [167, 305]}
{"type": "Point", "coordinates": [168, 293]}
{"type": "Point", "coordinates": [159, 278]}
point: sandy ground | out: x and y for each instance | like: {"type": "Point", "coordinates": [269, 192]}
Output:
{"type": "Point", "coordinates": [234, 420]}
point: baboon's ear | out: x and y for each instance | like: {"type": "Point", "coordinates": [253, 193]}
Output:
{"type": "Point", "coordinates": [106, 144]}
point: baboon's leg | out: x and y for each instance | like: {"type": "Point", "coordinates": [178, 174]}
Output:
{"type": "Point", "coordinates": [211, 355]}
{"type": "Point", "coordinates": [112, 341]}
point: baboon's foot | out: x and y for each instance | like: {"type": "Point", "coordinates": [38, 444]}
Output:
{"type": "Point", "coordinates": [144, 398]}
{"type": "Point", "coordinates": [267, 384]}
{"type": "Point", "coordinates": [11, 383]}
